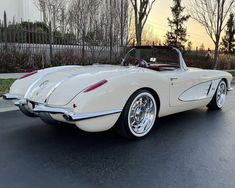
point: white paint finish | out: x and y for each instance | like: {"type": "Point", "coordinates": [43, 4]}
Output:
{"type": "Point", "coordinates": [21, 86]}
{"type": "Point", "coordinates": [85, 77]}
{"type": "Point", "coordinates": [197, 92]}
{"type": "Point", "coordinates": [98, 124]}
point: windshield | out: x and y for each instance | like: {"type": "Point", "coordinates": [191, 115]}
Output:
{"type": "Point", "coordinates": [151, 56]}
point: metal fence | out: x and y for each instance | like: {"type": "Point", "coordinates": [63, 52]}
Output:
{"type": "Point", "coordinates": [38, 47]}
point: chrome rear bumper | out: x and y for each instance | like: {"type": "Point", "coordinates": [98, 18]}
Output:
{"type": "Point", "coordinates": [70, 116]}
{"type": "Point", "coordinates": [21, 102]}
{"type": "Point", "coordinates": [9, 96]}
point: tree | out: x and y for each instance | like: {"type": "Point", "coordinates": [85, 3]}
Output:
{"type": "Point", "coordinates": [52, 11]}
{"type": "Point", "coordinates": [141, 9]}
{"type": "Point", "coordinates": [189, 46]}
{"type": "Point", "coordinates": [212, 14]}
{"type": "Point", "coordinates": [177, 36]}
{"type": "Point", "coordinates": [202, 49]}
{"type": "Point", "coordinates": [228, 40]}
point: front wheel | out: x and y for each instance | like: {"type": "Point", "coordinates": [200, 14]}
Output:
{"type": "Point", "coordinates": [219, 97]}
{"type": "Point", "coordinates": [138, 116]}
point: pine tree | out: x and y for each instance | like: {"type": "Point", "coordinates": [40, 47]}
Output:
{"type": "Point", "coordinates": [189, 46]}
{"type": "Point", "coordinates": [228, 40]}
{"type": "Point", "coordinates": [202, 48]}
{"type": "Point", "coordinates": [176, 37]}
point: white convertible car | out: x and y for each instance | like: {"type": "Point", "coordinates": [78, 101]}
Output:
{"type": "Point", "coordinates": [152, 82]}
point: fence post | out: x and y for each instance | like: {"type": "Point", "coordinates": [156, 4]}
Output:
{"type": "Point", "coordinates": [5, 30]}
{"type": "Point", "coordinates": [122, 27]}
{"type": "Point", "coordinates": [83, 45]}
{"type": "Point", "coordinates": [50, 41]}
{"type": "Point", "coordinates": [111, 33]}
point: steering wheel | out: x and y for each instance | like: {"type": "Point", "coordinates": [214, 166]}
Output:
{"type": "Point", "coordinates": [142, 63]}
{"type": "Point", "coordinates": [135, 62]}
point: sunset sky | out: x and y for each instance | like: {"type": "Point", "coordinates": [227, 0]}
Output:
{"type": "Point", "coordinates": [158, 23]}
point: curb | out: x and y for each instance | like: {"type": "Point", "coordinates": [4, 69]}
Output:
{"type": "Point", "coordinates": [7, 106]}
{"type": "Point", "coordinates": [11, 75]}
{"type": "Point", "coordinates": [8, 109]}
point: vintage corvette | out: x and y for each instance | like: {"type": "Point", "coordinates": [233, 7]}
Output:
{"type": "Point", "coordinates": [152, 82]}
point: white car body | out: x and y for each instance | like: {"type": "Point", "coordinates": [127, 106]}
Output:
{"type": "Point", "coordinates": [59, 91]}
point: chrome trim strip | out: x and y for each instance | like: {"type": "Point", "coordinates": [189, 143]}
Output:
{"type": "Point", "coordinates": [181, 60]}
{"type": "Point", "coordinates": [9, 96]}
{"type": "Point", "coordinates": [209, 89]}
{"type": "Point", "coordinates": [193, 100]}
{"type": "Point", "coordinates": [201, 98]}
{"type": "Point", "coordinates": [21, 102]}
{"type": "Point", "coordinates": [70, 116]}
{"type": "Point", "coordinates": [32, 85]}
{"type": "Point", "coordinates": [53, 89]}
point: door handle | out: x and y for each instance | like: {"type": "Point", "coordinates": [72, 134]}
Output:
{"type": "Point", "coordinates": [172, 79]}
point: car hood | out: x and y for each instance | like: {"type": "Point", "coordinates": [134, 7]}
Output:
{"type": "Point", "coordinates": [68, 82]}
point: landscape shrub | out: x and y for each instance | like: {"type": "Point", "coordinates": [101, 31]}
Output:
{"type": "Point", "coordinates": [23, 60]}
{"type": "Point", "coordinates": [14, 61]}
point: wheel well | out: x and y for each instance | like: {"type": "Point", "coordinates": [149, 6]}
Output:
{"type": "Point", "coordinates": [226, 81]}
{"type": "Point", "coordinates": [155, 95]}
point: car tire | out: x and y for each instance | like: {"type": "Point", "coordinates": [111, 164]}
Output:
{"type": "Point", "coordinates": [219, 97]}
{"type": "Point", "coordinates": [26, 111]}
{"type": "Point", "coordinates": [139, 115]}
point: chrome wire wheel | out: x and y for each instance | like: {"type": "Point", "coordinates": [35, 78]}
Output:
{"type": "Point", "coordinates": [221, 94]}
{"type": "Point", "coordinates": [142, 114]}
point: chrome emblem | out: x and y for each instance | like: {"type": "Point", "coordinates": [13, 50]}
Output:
{"type": "Point", "coordinates": [43, 84]}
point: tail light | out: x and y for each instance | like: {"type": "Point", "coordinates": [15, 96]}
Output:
{"type": "Point", "coordinates": [95, 86]}
{"type": "Point", "coordinates": [28, 74]}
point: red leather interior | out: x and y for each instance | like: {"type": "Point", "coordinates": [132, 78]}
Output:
{"type": "Point", "coordinates": [157, 67]}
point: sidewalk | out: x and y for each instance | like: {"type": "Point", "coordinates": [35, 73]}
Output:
{"type": "Point", "coordinates": [6, 106]}
{"type": "Point", "coordinates": [11, 75]}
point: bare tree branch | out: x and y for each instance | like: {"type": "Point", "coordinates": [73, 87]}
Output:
{"type": "Point", "coordinates": [211, 14]}
{"type": "Point", "coordinates": [141, 12]}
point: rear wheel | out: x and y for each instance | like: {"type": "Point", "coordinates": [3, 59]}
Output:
{"type": "Point", "coordinates": [138, 116]}
{"type": "Point", "coordinates": [219, 97]}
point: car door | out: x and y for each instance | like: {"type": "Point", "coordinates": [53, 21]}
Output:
{"type": "Point", "coordinates": [188, 86]}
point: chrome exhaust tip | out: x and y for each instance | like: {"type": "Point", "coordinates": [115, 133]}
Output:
{"type": "Point", "coordinates": [67, 117]}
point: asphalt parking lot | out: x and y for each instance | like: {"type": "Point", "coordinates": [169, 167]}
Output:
{"type": "Point", "coordinates": [190, 149]}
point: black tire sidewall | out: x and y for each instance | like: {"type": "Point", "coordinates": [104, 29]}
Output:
{"type": "Point", "coordinates": [213, 104]}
